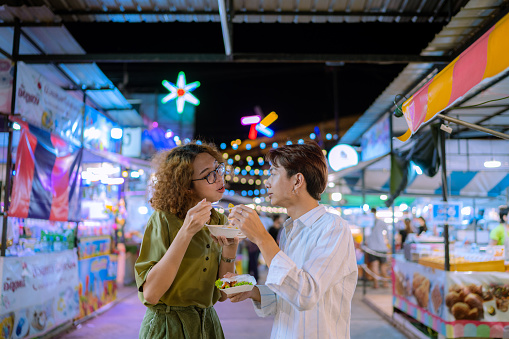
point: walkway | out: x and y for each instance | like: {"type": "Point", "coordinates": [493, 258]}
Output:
{"type": "Point", "coordinates": [238, 321]}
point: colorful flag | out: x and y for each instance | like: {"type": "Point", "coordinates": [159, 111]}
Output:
{"type": "Point", "coordinates": [46, 178]}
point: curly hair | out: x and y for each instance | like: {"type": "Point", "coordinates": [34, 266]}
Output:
{"type": "Point", "coordinates": [172, 178]}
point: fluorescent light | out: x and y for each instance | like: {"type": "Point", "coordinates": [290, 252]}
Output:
{"type": "Point", "coordinates": [16, 126]}
{"type": "Point", "coordinates": [492, 164]}
{"type": "Point", "coordinates": [143, 210]}
{"type": "Point", "coordinates": [249, 120]}
{"type": "Point", "coordinates": [383, 197]}
{"type": "Point", "coordinates": [331, 184]}
{"type": "Point", "coordinates": [403, 207]}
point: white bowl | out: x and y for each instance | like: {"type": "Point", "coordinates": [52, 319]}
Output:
{"type": "Point", "coordinates": [228, 232]}
{"type": "Point", "coordinates": [237, 289]}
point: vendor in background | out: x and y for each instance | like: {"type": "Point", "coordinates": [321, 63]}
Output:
{"type": "Point", "coordinates": [422, 226]}
{"type": "Point", "coordinates": [500, 234]}
{"type": "Point", "coordinates": [406, 231]}
{"type": "Point", "coordinates": [179, 259]}
{"type": "Point", "coordinates": [377, 244]}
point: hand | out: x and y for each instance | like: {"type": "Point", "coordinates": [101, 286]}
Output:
{"type": "Point", "coordinates": [226, 242]}
{"type": "Point", "coordinates": [253, 294]}
{"type": "Point", "coordinates": [197, 216]}
{"type": "Point", "coordinates": [248, 221]}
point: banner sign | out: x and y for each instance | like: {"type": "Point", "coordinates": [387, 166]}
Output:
{"type": "Point", "coordinates": [455, 304]}
{"type": "Point", "coordinates": [48, 106]}
{"type": "Point", "coordinates": [377, 140]}
{"type": "Point", "coordinates": [98, 285]}
{"type": "Point", "coordinates": [484, 60]}
{"type": "Point", "coordinates": [38, 293]}
{"type": "Point", "coordinates": [46, 180]}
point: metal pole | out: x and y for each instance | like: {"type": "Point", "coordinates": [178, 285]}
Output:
{"type": "Point", "coordinates": [336, 99]}
{"type": "Point", "coordinates": [391, 136]}
{"type": "Point", "coordinates": [8, 170]}
{"type": "Point", "coordinates": [365, 274]}
{"type": "Point", "coordinates": [475, 221]}
{"type": "Point", "coordinates": [474, 126]}
{"type": "Point", "coordinates": [441, 134]}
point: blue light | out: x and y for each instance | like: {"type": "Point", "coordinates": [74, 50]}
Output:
{"type": "Point", "coordinates": [223, 145]}
{"type": "Point", "coordinates": [250, 162]}
{"type": "Point", "coordinates": [328, 136]}
{"type": "Point", "coordinates": [251, 172]}
{"type": "Point", "coordinates": [301, 141]}
{"type": "Point", "coordinates": [288, 142]}
{"type": "Point", "coordinates": [262, 191]}
{"type": "Point", "coordinates": [264, 130]}
{"type": "Point", "coordinates": [235, 146]}
{"type": "Point", "coordinates": [248, 147]}
{"type": "Point", "coordinates": [237, 170]}
{"type": "Point", "coordinates": [312, 136]}
{"type": "Point", "coordinates": [198, 142]}
{"type": "Point", "coordinates": [256, 192]}
{"type": "Point", "coordinates": [274, 145]}
{"type": "Point", "coordinates": [244, 172]}
{"type": "Point", "coordinates": [262, 145]}
{"type": "Point", "coordinates": [250, 192]}
{"type": "Point", "coordinates": [243, 193]}
{"type": "Point", "coordinates": [232, 192]}
{"type": "Point", "coordinates": [230, 161]}
{"type": "Point", "coordinates": [261, 161]}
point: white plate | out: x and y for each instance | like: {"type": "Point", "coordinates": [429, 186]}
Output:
{"type": "Point", "coordinates": [218, 231]}
{"type": "Point", "coordinates": [237, 289]}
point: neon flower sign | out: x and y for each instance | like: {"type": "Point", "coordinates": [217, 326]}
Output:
{"type": "Point", "coordinates": [181, 92]}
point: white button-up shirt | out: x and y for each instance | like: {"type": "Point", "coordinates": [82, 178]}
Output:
{"type": "Point", "coordinates": [311, 281]}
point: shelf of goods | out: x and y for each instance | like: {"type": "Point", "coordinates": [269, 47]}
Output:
{"type": "Point", "coordinates": [471, 301]}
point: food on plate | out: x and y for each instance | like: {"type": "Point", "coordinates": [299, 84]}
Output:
{"type": "Point", "coordinates": [474, 301]}
{"type": "Point", "coordinates": [436, 298]}
{"type": "Point", "coordinates": [227, 284]}
{"type": "Point", "coordinates": [491, 310]}
{"type": "Point", "coordinates": [503, 305]}
{"type": "Point", "coordinates": [460, 310]}
{"type": "Point", "coordinates": [465, 302]}
{"type": "Point", "coordinates": [452, 298]}
{"type": "Point", "coordinates": [420, 288]}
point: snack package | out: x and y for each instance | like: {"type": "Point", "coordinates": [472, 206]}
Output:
{"type": "Point", "coordinates": [236, 284]}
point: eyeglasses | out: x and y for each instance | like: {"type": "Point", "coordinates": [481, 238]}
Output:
{"type": "Point", "coordinates": [212, 176]}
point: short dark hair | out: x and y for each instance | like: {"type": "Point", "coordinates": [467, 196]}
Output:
{"type": "Point", "coordinates": [373, 210]}
{"type": "Point", "coordinates": [503, 211]}
{"type": "Point", "coordinates": [307, 159]}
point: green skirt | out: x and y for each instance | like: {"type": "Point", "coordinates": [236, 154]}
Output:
{"type": "Point", "coordinates": [191, 322]}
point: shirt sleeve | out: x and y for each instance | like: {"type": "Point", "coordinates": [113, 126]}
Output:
{"type": "Point", "coordinates": [495, 234]}
{"type": "Point", "coordinates": [156, 241]}
{"type": "Point", "coordinates": [304, 287]}
{"type": "Point", "coordinates": [268, 304]}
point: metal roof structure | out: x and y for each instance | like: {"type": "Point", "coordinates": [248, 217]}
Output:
{"type": "Point", "coordinates": [47, 43]}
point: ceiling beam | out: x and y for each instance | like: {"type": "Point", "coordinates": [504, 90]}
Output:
{"type": "Point", "coordinates": [237, 57]}
{"type": "Point", "coordinates": [225, 27]}
{"type": "Point", "coordinates": [115, 11]}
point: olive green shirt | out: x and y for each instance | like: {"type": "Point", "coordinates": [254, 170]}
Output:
{"type": "Point", "coordinates": [194, 282]}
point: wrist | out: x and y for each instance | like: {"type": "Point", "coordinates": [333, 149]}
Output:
{"type": "Point", "coordinates": [228, 259]}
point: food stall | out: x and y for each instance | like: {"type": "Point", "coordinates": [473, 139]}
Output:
{"type": "Point", "coordinates": [454, 289]}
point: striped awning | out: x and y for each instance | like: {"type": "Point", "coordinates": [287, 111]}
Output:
{"type": "Point", "coordinates": [483, 62]}
{"type": "Point", "coordinates": [466, 184]}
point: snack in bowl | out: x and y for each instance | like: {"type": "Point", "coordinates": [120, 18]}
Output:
{"type": "Point", "coordinates": [236, 284]}
{"type": "Point", "coordinates": [229, 231]}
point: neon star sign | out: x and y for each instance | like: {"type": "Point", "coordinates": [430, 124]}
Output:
{"type": "Point", "coordinates": [181, 92]}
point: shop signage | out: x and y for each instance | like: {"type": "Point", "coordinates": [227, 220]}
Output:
{"type": "Point", "coordinates": [376, 141]}
{"type": "Point", "coordinates": [98, 285]}
{"type": "Point", "coordinates": [447, 212]}
{"type": "Point", "coordinates": [48, 106]}
{"type": "Point", "coordinates": [38, 293]}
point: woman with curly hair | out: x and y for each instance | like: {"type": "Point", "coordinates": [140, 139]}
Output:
{"type": "Point", "coordinates": [179, 259]}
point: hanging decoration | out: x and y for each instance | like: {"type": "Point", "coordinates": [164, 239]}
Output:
{"type": "Point", "coordinates": [181, 92]}
{"type": "Point", "coordinates": [259, 125]}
